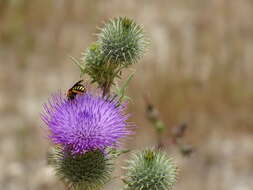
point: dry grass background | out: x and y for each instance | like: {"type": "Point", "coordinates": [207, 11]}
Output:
{"type": "Point", "coordinates": [198, 70]}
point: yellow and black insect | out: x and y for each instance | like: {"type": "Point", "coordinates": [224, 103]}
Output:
{"type": "Point", "coordinates": [77, 88]}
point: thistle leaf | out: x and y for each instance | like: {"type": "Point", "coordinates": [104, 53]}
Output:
{"type": "Point", "coordinates": [78, 64]}
{"type": "Point", "coordinates": [121, 91]}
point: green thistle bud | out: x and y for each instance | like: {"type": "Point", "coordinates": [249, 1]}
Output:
{"type": "Point", "coordinates": [122, 41]}
{"type": "Point", "coordinates": [92, 56]}
{"type": "Point", "coordinates": [89, 171]}
{"type": "Point", "coordinates": [95, 66]}
{"type": "Point", "coordinates": [150, 170]}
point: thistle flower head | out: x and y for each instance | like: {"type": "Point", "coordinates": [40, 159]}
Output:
{"type": "Point", "coordinates": [150, 170]}
{"type": "Point", "coordinates": [87, 171]}
{"type": "Point", "coordinates": [122, 41]}
{"type": "Point", "coordinates": [88, 122]}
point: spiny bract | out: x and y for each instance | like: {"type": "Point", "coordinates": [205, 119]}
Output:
{"type": "Point", "coordinates": [150, 170]}
{"type": "Point", "coordinates": [89, 171]}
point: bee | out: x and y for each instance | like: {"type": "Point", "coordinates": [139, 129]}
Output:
{"type": "Point", "coordinates": [77, 88]}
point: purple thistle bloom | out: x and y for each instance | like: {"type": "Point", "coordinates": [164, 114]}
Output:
{"type": "Point", "coordinates": [86, 123]}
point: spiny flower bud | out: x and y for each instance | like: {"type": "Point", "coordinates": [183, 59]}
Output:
{"type": "Point", "coordinates": [95, 65]}
{"type": "Point", "coordinates": [150, 170]}
{"type": "Point", "coordinates": [92, 56]}
{"type": "Point", "coordinates": [88, 171]}
{"type": "Point", "coordinates": [122, 41]}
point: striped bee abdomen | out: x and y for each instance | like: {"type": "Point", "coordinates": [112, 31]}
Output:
{"type": "Point", "coordinates": [77, 88]}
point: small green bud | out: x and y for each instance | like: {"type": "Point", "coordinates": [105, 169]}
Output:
{"type": "Point", "coordinates": [122, 41]}
{"type": "Point", "coordinates": [92, 57]}
{"type": "Point", "coordinates": [95, 66]}
{"type": "Point", "coordinates": [159, 125]}
{"type": "Point", "coordinates": [150, 170]}
{"type": "Point", "coordinates": [89, 171]}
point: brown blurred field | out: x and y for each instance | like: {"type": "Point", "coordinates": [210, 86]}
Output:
{"type": "Point", "coordinates": [198, 70]}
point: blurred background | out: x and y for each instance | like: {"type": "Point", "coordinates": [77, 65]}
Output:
{"type": "Point", "coordinates": [198, 71]}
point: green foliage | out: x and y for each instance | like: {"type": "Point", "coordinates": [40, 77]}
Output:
{"type": "Point", "coordinates": [122, 90]}
{"type": "Point", "coordinates": [77, 63]}
{"type": "Point", "coordinates": [115, 153]}
{"type": "Point", "coordinates": [150, 170]}
{"type": "Point", "coordinates": [88, 171]}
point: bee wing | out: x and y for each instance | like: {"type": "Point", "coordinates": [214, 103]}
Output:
{"type": "Point", "coordinates": [77, 83]}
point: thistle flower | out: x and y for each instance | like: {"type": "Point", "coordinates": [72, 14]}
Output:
{"type": "Point", "coordinates": [122, 41]}
{"type": "Point", "coordinates": [150, 170]}
{"type": "Point", "coordinates": [87, 171]}
{"type": "Point", "coordinates": [88, 122]}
